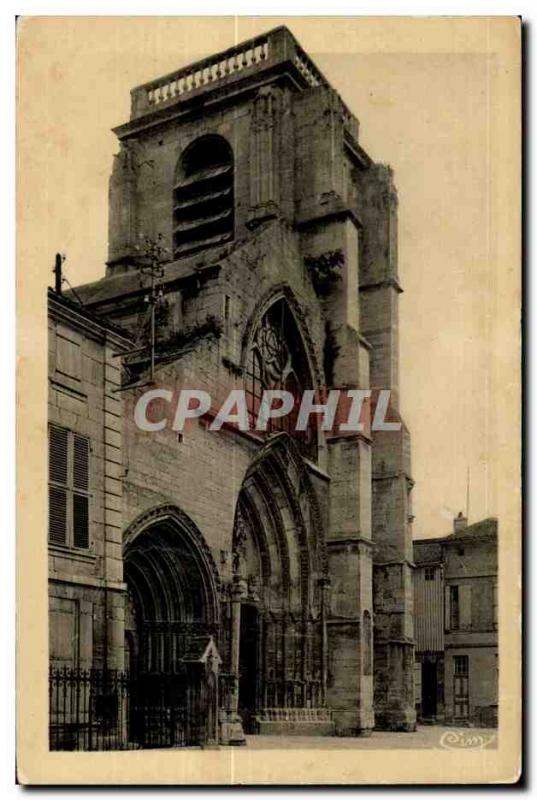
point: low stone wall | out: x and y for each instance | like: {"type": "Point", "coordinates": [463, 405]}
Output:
{"type": "Point", "coordinates": [295, 722]}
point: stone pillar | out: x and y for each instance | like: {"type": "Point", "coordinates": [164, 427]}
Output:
{"type": "Point", "coordinates": [264, 156]}
{"type": "Point", "coordinates": [324, 584]}
{"type": "Point", "coordinates": [393, 595]}
{"type": "Point", "coordinates": [237, 595]}
{"type": "Point", "coordinates": [122, 210]}
{"type": "Point", "coordinates": [114, 589]}
{"type": "Point", "coordinates": [231, 725]}
{"type": "Point", "coordinates": [391, 476]}
{"type": "Point", "coordinates": [349, 691]}
{"type": "Point", "coordinates": [260, 700]}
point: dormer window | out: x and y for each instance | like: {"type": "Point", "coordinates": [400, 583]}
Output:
{"type": "Point", "coordinates": [203, 202]}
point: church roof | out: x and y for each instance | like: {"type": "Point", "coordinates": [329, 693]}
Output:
{"type": "Point", "coordinates": [129, 283]}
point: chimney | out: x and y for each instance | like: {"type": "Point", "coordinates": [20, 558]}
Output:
{"type": "Point", "coordinates": [459, 523]}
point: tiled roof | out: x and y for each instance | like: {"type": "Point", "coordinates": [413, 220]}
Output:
{"type": "Point", "coordinates": [486, 527]}
{"type": "Point", "coordinates": [429, 550]}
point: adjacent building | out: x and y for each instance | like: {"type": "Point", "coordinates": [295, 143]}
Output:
{"type": "Point", "coordinates": [456, 624]}
{"type": "Point", "coordinates": [86, 588]}
{"type": "Point", "coordinates": [85, 470]}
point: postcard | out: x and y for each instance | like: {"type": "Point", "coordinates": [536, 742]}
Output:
{"type": "Point", "coordinates": [269, 393]}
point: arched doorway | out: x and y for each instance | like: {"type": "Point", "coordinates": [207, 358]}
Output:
{"type": "Point", "coordinates": [279, 567]}
{"type": "Point", "coordinates": [171, 618]}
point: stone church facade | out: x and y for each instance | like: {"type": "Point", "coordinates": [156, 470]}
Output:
{"type": "Point", "coordinates": [283, 558]}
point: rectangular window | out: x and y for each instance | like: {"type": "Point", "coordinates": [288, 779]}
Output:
{"type": "Point", "coordinates": [68, 488]}
{"type": "Point", "coordinates": [68, 357]}
{"type": "Point", "coordinates": [57, 502]}
{"type": "Point", "coordinates": [460, 665]}
{"type": "Point", "coordinates": [465, 606]}
{"type": "Point", "coordinates": [429, 573]}
{"type": "Point", "coordinates": [461, 688]}
{"type": "Point", "coordinates": [454, 610]}
{"type": "Point", "coordinates": [495, 605]}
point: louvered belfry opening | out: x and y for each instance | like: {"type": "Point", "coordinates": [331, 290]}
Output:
{"type": "Point", "coordinates": [203, 202]}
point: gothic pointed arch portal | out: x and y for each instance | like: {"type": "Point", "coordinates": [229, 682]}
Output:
{"type": "Point", "coordinates": [171, 620]}
{"type": "Point", "coordinates": [173, 586]}
{"type": "Point", "coordinates": [280, 605]}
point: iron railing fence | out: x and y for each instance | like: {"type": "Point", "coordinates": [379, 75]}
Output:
{"type": "Point", "coordinates": [113, 710]}
{"type": "Point", "coordinates": [88, 709]}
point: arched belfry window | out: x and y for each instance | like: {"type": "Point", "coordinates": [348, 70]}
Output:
{"type": "Point", "coordinates": [203, 202]}
{"type": "Point", "coordinates": [277, 360]}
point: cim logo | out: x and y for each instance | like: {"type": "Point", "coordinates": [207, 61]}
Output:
{"type": "Point", "coordinates": [466, 740]}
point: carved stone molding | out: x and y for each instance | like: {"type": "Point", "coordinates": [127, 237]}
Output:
{"type": "Point", "coordinates": [278, 292]}
{"type": "Point", "coordinates": [172, 515]}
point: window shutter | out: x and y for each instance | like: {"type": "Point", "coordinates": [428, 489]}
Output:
{"type": "Point", "coordinates": [465, 606]}
{"type": "Point", "coordinates": [80, 463]}
{"type": "Point", "coordinates": [68, 357]}
{"type": "Point", "coordinates": [57, 464]}
{"type": "Point", "coordinates": [447, 609]}
{"type": "Point", "coordinates": [80, 521]}
{"type": "Point", "coordinates": [57, 515]}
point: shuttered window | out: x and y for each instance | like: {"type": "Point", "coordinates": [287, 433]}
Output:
{"type": "Point", "coordinates": [57, 499]}
{"type": "Point", "coordinates": [80, 521]}
{"type": "Point", "coordinates": [80, 462]}
{"type": "Point", "coordinates": [68, 488]}
{"type": "Point", "coordinates": [465, 604]}
{"type": "Point", "coordinates": [454, 608]}
{"type": "Point", "coordinates": [58, 444]}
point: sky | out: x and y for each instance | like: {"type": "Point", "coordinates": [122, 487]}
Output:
{"type": "Point", "coordinates": [423, 110]}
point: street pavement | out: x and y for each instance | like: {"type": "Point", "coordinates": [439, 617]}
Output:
{"type": "Point", "coordinates": [425, 737]}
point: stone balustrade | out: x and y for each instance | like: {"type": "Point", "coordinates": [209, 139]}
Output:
{"type": "Point", "coordinates": [277, 46]}
{"type": "Point", "coordinates": [207, 72]}
{"type": "Point", "coordinates": [307, 68]}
